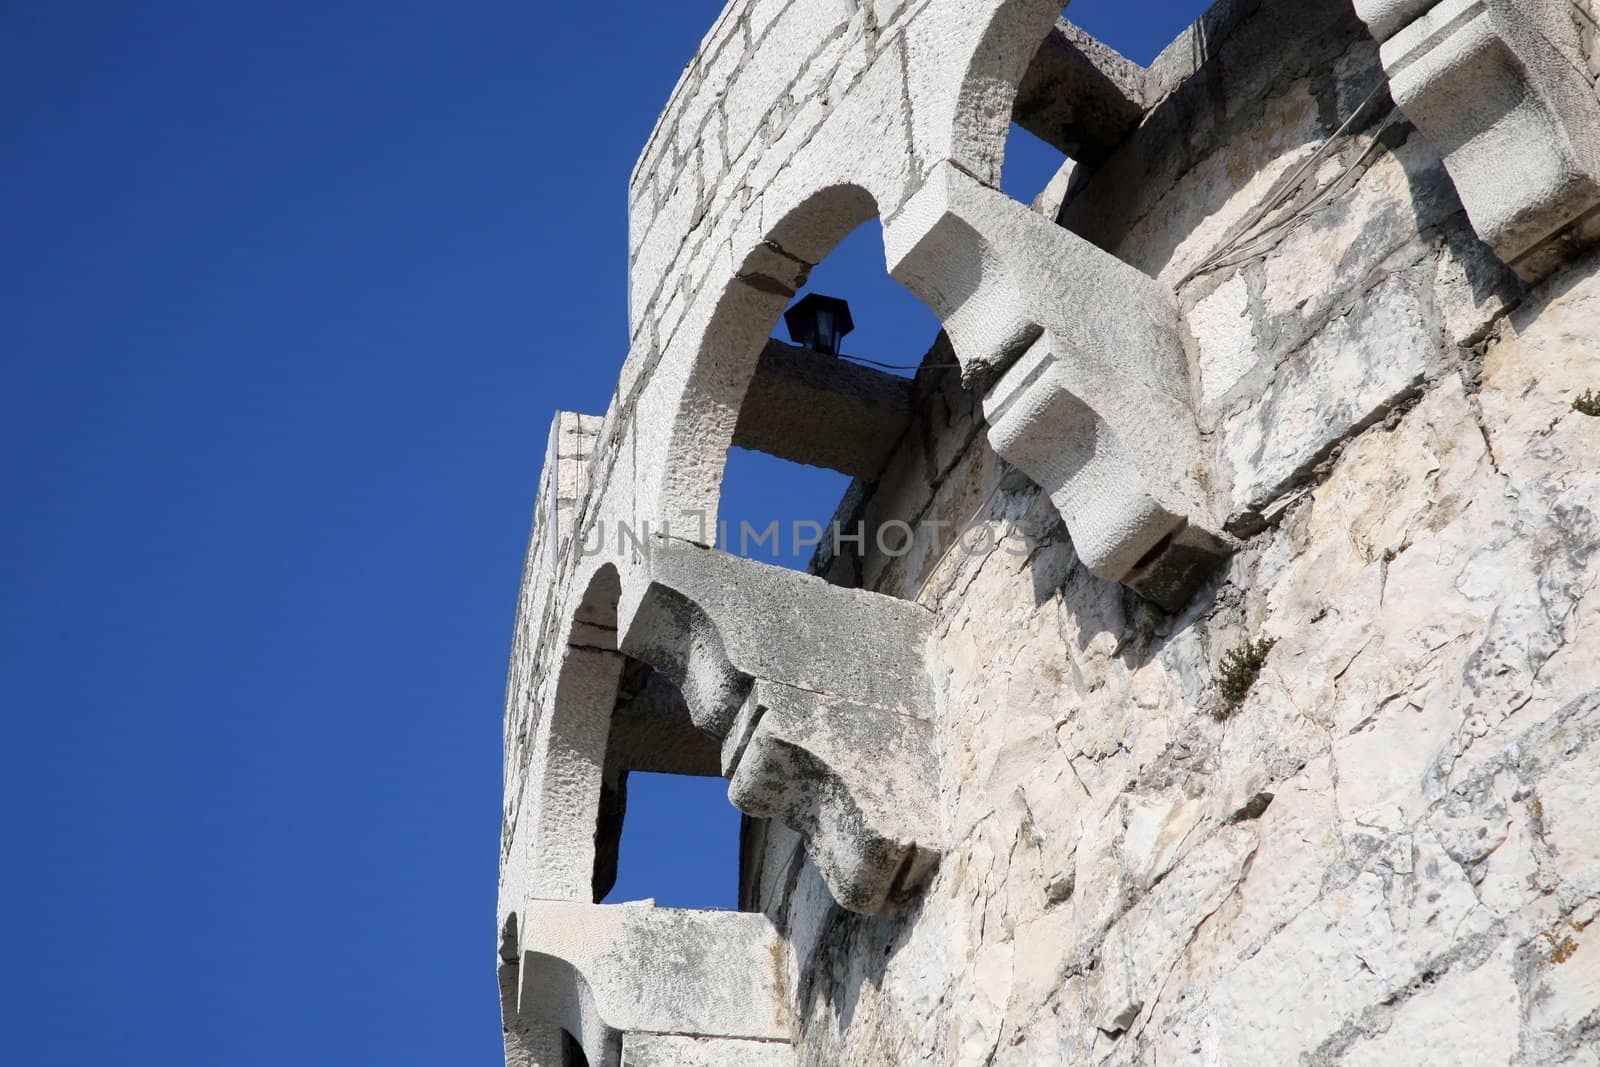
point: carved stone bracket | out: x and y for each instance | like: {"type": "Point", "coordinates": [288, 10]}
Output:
{"type": "Point", "coordinates": [1506, 91]}
{"type": "Point", "coordinates": [1086, 385]}
{"type": "Point", "coordinates": [855, 779]}
{"type": "Point", "coordinates": [819, 697]}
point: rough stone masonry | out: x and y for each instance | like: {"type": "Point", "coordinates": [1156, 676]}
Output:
{"type": "Point", "coordinates": [1263, 727]}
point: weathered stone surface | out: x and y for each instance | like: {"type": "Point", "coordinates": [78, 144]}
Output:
{"type": "Point", "coordinates": [712, 622]}
{"type": "Point", "coordinates": [1080, 95]}
{"type": "Point", "coordinates": [603, 971]}
{"type": "Point", "coordinates": [666, 1050]}
{"type": "Point", "coordinates": [1226, 335]}
{"type": "Point", "coordinates": [1466, 1017]}
{"type": "Point", "coordinates": [856, 780]}
{"type": "Point", "coordinates": [1383, 848]}
{"type": "Point", "coordinates": [1566, 981]}
{"type": "Point", "coordinates": [1347, 378]}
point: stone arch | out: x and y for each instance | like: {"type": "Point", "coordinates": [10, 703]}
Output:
{"type": "Point", "coordinates": [998, 60]}
{"type": "Point", "coordinates": [571, 742]}
{"type": "Point", "coordinates": [608, 715]}
{"type": "Point", "coordinates": [566, 1006]}
{"type": "Point", "coordinates": [728, 351]}
{"type": "Point", "coordinates": [1068, 345]}
{"type": "Point", "coordinates": [960, 276]}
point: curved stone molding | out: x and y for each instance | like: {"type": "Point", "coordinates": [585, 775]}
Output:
{"type": "Point", "coordinates": [1505, 90]}
{"type": "Point", "coordinates": [1092, 399]}
{"type": "Point", "coordinates": [678, 637]}
{"type": "Point", "coordinates": [612, 976]}
{"type": "Point", "coordinates": [781, 625]}
{"type": "Point", "coordinates": [568, 447]}
{"type": "Point", "coordinates": [570, 746]}
{"type": "Point", "coordinates": [820, 698]}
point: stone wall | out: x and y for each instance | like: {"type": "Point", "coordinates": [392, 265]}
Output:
{"type": "Point", "coordinates": [1387, 854]}
{"type": "Point", "coordinates": [1382, 851]}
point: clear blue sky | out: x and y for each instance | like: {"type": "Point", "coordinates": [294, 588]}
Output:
{"type": "Point", "coordinates": [290, 294]}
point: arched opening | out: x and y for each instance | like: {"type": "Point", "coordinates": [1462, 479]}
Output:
{"type": "Point", "coordinates": [572, 741]}
{"type": "Point", "coordinates": [817, 428]}
{"type": "Point", "coordinates": [536, 1038]}
{"type": "Point", "coordinates": [678, 843]}
{"type": "Point", "coordinates": [614, 717]}
{"type": "Point", "coordinates": [665, 830]}
{"type": "Point", "coordinates": [730, 398]}
{"type": "Point", "coordinates": [856, 410]}
{"type": "Point", "coordinates": [752, 392]}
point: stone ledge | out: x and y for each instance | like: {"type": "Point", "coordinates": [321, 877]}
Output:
{"type": "Point", "coordinates": [817, 409]}
{"type": "Point", "coordinates": [602, 972]}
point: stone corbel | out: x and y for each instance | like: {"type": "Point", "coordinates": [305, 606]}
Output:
{"type": "Point", "coordinates": [855, 780]}
{"type": "Point", "coordinates": [618, 975]}
{"type": "Point", "coordinates": [819, 697]}
{"type": "Point", "coordinates": [1084, 377]}
{"type": "Point", "coordinates": [1506, 92]}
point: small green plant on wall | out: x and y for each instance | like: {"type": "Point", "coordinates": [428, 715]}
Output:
{"type": "Point", "coordinates": [1587, 404]}
{"type": "Point", "coordinates": [1240, 668]}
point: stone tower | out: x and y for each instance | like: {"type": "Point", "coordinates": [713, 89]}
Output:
{"type": "Point", "coordinates": [1228, 691]}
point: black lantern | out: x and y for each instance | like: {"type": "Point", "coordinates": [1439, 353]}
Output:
{"type": "Point", "coordinates": [819, 323]}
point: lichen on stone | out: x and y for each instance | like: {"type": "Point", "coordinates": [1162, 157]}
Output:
{"type": "Point", "coordinates": [1562, 949]}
